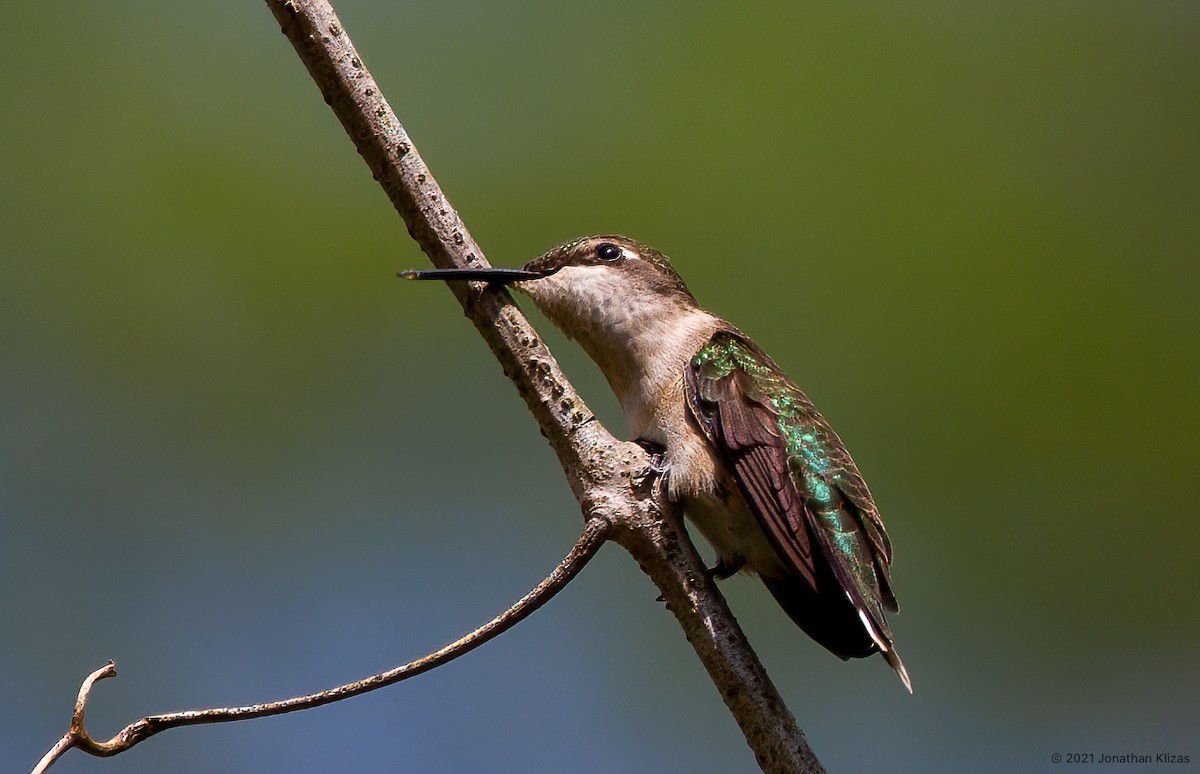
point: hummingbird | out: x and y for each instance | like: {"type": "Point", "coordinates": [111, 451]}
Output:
{"type": "Point", "coordinates": [741, 448]}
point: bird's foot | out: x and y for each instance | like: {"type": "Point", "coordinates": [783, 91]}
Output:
{"type": "Point", "coordinates": [658, 455]}
{"type": "Point", "coordinates": [719, 571]}
{"type": "Point", "coordinates": [657, 469]}
{"type": "Point", "coordinates": [722, 570]}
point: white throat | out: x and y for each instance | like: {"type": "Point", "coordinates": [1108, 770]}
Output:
{"type": "Point", "coordinates": [642, 341]}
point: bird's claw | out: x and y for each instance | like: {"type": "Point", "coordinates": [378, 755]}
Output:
{"type": "Point", "coordinates": [656, 470]}
{"type": "Point", "coordinates": [722, 570]}
{"type": "Point", "coordinates": [658, 456]}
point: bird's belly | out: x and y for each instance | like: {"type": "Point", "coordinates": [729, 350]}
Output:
{"type": "Point", "coordinates": [729, 526]}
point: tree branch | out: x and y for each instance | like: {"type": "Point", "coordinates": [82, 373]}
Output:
{"type": "Point", "coordinates": [595, 533]}
{"type": "Point", "coordinates": [608, 477]}
{"type": "Point", "coordinates": [605, 474]}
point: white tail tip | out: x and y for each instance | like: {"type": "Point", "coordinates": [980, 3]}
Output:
{"type": "Point", "coordinates": [893, 659]}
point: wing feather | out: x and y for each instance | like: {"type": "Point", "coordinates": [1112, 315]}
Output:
{"type": "Point", "coordinates": [802, 486]}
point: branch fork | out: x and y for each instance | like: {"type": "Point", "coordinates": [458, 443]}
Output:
{"type": "Point", "coordinates": [608, 477]}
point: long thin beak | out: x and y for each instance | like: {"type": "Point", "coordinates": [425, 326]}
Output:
{"type": "Point", "coordinates": [491, 275]}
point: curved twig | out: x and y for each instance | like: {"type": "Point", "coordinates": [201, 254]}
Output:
{"type": "Point", "coordinates": [595, 533]}
{"type": "Point", "coordinates": [604, 473]}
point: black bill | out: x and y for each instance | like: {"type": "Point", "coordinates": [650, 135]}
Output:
{"type": "Point", "coordinates": [492, 275]}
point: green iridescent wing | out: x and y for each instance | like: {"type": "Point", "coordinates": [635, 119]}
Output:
{"type": "Point", "coordinates": [803, 488]}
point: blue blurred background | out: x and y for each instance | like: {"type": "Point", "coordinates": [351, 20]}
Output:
{"type": "Point", "coordinates": [240, 458]}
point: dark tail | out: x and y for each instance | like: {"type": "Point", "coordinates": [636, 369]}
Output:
{"type": "Point", "coordinates": [832, 620]}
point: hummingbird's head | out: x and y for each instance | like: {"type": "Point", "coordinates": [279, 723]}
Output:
{"type": "Point", "coordinates": [604, 291]}
{"type": "Point", "coordinates": [605, 283]}
{"type": "Point", "coordinates": [614, 256]}
{"type": "Point", "coordinates": [621, 300]}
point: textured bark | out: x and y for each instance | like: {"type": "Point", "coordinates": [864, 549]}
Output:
{"type": "Point", "coordinates": [612, 479]}
{"type": "Point", "coordinates": [606, 475]}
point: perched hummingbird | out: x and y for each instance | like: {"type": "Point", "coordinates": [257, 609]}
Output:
{"type": "Point", "coordinates": [753, 464]}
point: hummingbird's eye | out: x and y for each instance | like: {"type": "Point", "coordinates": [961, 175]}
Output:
{"type": "Point", "coordinates": [606, 251]}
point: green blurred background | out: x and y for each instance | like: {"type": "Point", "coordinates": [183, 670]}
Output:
{"type": "Point", "coordinates": [240, 458]}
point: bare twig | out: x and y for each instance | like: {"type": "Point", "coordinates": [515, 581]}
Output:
{"type": "Point", "coordinates": [595, 532]}
{"type": "Point", "coordinates": [60, 747]}
{"type": "Point", "coordinates": [607, 476]}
